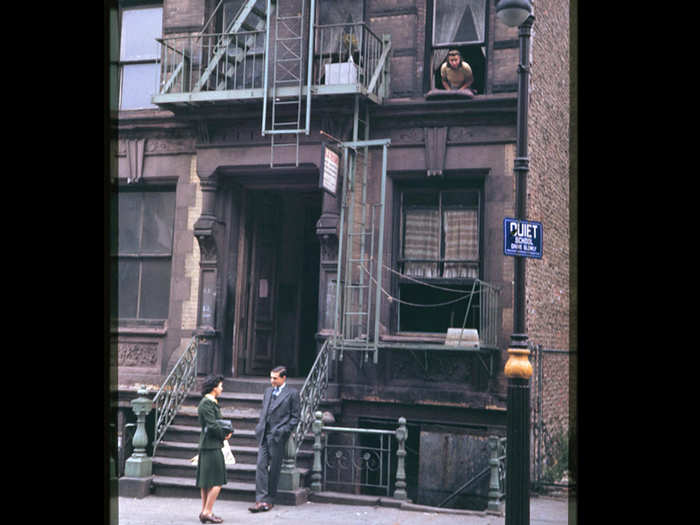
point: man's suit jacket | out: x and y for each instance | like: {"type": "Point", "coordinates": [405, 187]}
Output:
{"type": "Point", "coordinates": [282, 415]}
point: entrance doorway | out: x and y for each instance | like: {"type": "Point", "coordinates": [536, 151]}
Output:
{"type": "Point", "coordinates": [280, 295]}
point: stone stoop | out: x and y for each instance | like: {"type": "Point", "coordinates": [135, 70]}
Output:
{"type": "Point", "coordinates": [241, 401]}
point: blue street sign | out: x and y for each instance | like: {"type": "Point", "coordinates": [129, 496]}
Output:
{"type": "Point", "coordinates": [522, 238]}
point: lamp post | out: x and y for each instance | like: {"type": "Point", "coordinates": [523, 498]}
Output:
{"type": "Point", "coordinates": [518, 370]}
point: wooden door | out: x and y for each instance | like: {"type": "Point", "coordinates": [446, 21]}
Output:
{"type": "Point", "coordinates": [263, 279]}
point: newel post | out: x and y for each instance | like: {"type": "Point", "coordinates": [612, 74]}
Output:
{"type": "Point", "coordinates": [138, 471]}
{"type": "Point", "coordinates": [495, 494]}
{"type": "Point", "coordinates": [401, 436]}
{"type": "Point", "coordinates": [316, 475]}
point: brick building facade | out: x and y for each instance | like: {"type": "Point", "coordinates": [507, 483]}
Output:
{"type": "Point", "coordinates": [210, 155]}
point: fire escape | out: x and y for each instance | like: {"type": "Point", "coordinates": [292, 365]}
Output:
{"type": "Point", "coordinates": [276, 53]}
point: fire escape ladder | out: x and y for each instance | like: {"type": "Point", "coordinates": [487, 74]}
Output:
{"type": "Point", "coordinates": [360, 245]}
{"type": "Point", "coordinates": [286, 100]}
{"type": "Point", "coordinates": [249, 18]}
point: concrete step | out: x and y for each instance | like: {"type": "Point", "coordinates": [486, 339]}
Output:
{"type": "Point", "coordinates": [256, 385]}
{"type": "Point", "coordinates": [183, 468]}
{"type": "Point", "coordinates": [183, 487]}
{"type": "Point", "coordinates": [241, 437]}
{"type": "Point", "coordinates": [243, 454]}
{"type": "Point", "coordinates": [168, 449]}
{"type": "Point", "coordinates": [190, 434]}
{"type": "Point", "coordinates": [243, 419]}
{"type": "Point", "coordinates": [237, 400]}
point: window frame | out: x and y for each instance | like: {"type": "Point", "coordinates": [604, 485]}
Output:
{"type": "Point", "coordinates": [140, 254]}
{"type": "Point", "coordinates": [400, 279]}
{"type": "Point", "coordinates": [125, 62]}
{"type": "Point", "coordinates": [431, 70]}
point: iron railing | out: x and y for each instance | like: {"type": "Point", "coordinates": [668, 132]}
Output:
{"type": "Point", "coordinates": [348, 55]}
{"type": "Point", "coordinates": [311, 394]}
{"type": "Point", "coordinates": [185, 59]}
{"type": "Point", "coordinates": [359, 465]}
{"type": "Point", "coordinates": [174, 390]}
{"type": "Point", "coordinates": [489, 296]}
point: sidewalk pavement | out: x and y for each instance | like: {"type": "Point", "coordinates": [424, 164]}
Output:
{"type": "Point", "coordinates": [157, 510]}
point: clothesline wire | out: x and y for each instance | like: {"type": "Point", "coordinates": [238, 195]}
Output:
{"type": "Point", "coordinates": [421, 282]}
{"type": "Point", "coordinates": [392, 299]}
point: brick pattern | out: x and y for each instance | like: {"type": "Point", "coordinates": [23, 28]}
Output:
{"type": "Point", "coordinates": [547, 279]}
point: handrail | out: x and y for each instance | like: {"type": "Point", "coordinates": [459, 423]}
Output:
{"type": "Point", "coordinates": [310, 395]}
{"type": "Point", "coordinates": [174, 390]}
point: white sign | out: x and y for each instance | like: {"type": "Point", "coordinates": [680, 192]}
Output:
{"type": "Point", "coordinates": [331, 162]}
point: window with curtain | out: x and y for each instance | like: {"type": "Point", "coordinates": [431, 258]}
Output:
{"type": "Point", "coordinates": [461, 25]}
{"type": "Point", "coordinates": [139, 55]}
{"type": "Point", "coordinates": [142, 254]}
{"type": "Point", "coordinates": [439, 246]}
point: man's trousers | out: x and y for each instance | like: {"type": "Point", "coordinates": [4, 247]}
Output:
{"type": "Point", "coordinates": [267, 474]}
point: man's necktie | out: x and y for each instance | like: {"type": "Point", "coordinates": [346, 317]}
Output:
{"type": "Point", "coordinates": [276, 391]}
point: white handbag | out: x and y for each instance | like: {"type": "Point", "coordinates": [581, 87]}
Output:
{"type": "Point", "coordinates": [229, 458]}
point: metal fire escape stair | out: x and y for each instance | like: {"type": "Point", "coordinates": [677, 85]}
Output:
{"type": "Point", "coordinates": [284, 125]}
{"type": "Point", "coordinates": [250, 17]}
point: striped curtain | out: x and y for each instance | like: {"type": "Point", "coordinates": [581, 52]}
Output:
{"type": "Point", "coordinates": [461, 242]}
{"type": "Point", "coordinates": [422, 241]}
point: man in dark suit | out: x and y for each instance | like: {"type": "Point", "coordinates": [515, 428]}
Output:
{"type": "Point", "coordinates": [278, 417]}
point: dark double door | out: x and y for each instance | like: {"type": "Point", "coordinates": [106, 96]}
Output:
{"type": "Point", "coordinates": [282, 288]}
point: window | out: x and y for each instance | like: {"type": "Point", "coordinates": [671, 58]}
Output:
{"type": "Point", "coordinates": [461, 25]}
{"type": "Point", "coordinates": [142, 252]}
{"type": "Point", "coordinates": [439, 259]}
{"type": "Point", "coordinates": [138, 56]}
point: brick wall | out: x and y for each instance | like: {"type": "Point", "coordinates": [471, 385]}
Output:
{"type": "Point", "coordinates": [548, 294]}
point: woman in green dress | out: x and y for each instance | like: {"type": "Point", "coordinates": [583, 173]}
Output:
{"type": "Point", "coordinates": [211, 468]}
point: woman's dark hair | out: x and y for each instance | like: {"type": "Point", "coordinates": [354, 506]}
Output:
{"type": "Point", "coordinates": [210, 383]}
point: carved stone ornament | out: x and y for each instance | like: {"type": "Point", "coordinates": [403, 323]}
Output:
{"type": "Point", "coordinates": [435, 145]}
{"type": "Point", "coordinates": [134, 155]}
{"type": "Point", "coordinates": [137, 354]}
{"type": "Point", "coordinates": [207, 246]}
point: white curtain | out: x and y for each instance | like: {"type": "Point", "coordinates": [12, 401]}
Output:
{"type": "Point", "coordinates": [421, 241]}
{"type": "Point", "coordinates": [461, 242]}
{"type": "Point", "coordinates": [449, 15]}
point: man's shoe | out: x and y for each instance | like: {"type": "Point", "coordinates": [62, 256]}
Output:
{"type": "Point", "coordinates": [256, 507]}
{"type": "Point", "coordinates": [265, 507]}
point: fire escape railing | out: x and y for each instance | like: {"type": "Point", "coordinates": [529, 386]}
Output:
{"type": "Point", "coordinates": [347, 55]}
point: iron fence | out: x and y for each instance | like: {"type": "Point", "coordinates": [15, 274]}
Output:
{"type": "Point", "coordinates": [360, 458]}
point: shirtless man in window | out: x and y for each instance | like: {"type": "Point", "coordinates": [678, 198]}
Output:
{"type": "Point", "coordinates": [455, 73]}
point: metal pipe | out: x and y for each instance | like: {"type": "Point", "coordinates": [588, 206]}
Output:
{"type": "Point", "coordinates": [380, 253]}
{"type": "Point", "coordinates": [267, 65]}
{"type": "Point", "coordinates": [309, 64]}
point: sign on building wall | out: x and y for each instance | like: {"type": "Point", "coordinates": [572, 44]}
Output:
{"type": "Point", "coordinates": [522, 238]}
{"type": "Point", "coordinates": [330, 167]}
